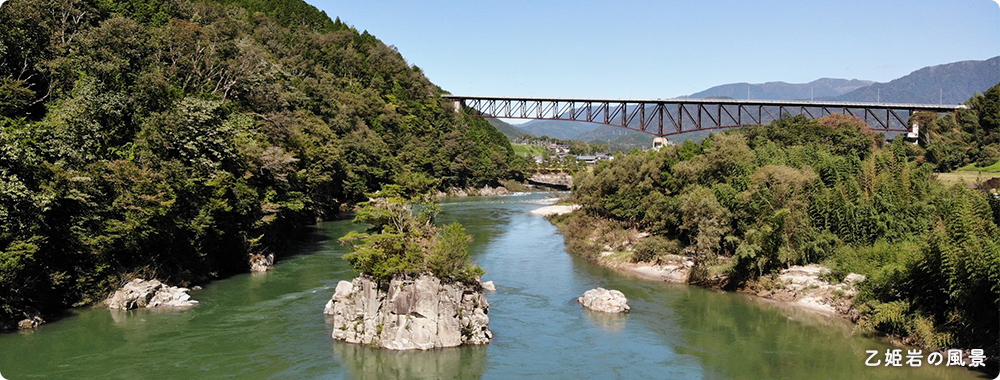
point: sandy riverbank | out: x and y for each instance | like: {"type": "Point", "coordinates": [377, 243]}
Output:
{"type": "Point", "coordinates": [555, 210]}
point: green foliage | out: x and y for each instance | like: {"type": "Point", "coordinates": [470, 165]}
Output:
{"type": "Point", "coordinates": [449, 259]}
{"type": "Point", "coordinates": [758, 199]}
{"type": "Point", "coordinates": [971, 136]}
{"type": "Point", "coordinates": [176, 138]}
{"type": "Point", "coordinates": [403, 243]}
{"type": "Point", "coordinates": [652, 248]}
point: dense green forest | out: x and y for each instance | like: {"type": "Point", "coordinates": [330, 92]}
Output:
{"type": "Point", "coordinates": [174, 139]}
{"type": "Point", "coordinates": [748, 202]}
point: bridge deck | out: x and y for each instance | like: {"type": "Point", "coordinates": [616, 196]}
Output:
{"type": "Point", "coordinates": [664, 117]}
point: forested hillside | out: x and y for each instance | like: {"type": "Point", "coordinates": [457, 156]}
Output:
{"type": "Point", "coordinates": [748, 202]}
{"type": "Point", "coordinates": [175, 139]}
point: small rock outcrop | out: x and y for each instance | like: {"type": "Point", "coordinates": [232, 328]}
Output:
{"type": "Point", "coordinates": [489, 286]}
{"type": "Point", "coordinates": [488, 191]}
{"type": "Point", "coordinates": [559, 180]}
{"type": "Point", "coordinates": [604, 300]}
{"type": "Point", "coordinates": [30, 323]}
{"type": "Point", "coordinates": [414, 313]}
{"type": "Point", "coordinates": [153, 293]}
{"type": "Point", "coordinates": [808, 286]}
{"type": "Point", "coordinates": [261, 262]}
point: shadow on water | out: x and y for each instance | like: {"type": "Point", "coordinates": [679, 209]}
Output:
{"type": "Point", "coordinates": [363, 362]}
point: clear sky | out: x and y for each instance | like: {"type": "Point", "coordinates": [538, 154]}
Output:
{"type": "Point", "coordinates": [664, 49]}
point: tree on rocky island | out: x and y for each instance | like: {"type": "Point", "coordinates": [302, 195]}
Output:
{"type": "Point", "coordinates": [403, 240]}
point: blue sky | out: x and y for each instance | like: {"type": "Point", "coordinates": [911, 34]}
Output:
{"type": "Point", "coordinates": [663, 49]}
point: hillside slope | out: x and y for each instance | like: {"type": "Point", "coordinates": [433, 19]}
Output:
{"type": "Point", "coordinates": [511, 132]}
{"type": "Point", "coordinates": [182, 139]}
{"type": "Point", "coordinates": [951, 83]}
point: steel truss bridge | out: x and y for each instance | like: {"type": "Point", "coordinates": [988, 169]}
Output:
{"type": "Point", "coordinates": [665, 117]}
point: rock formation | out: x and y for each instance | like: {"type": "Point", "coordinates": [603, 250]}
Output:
{"type": "Point", "coordinates": [489, 286]}
{"type": "Point", "coordinates": [808, 286]}
{"type": "Point", "coordinates": [261, 262]}
{"type": "Point", "coordinates": [421, 313]}
{"type": "Point", "coordinates": [153, 293]}
{"type": "Point", "coordinates": [486, 191]}
{"type": "Point", "coordinates": [30, 323]}
{"type": "Point", "coordinates": [604, 300]}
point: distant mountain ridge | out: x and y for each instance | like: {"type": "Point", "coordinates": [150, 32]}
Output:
{"type": "Point", "coordinates": [558, 129]}
{"type": "Point", "coordinates": [824, 87]}
{"type": "Point", "coordinates": [950, 83]}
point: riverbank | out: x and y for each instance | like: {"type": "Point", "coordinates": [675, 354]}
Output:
{"type": "Point", "coordinates": [540, 330]}
{"type": "Point", "coordinates": [805, 287]}
{"type": "Point", "coordinates": [813, 288]}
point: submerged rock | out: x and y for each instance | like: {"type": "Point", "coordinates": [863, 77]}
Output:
{"type": "Point", "coordinates": [604, 300]}
{"type": "Point", "coordinates": [421, 313]}
{"type": "Point", "coordinates": [153, 293]}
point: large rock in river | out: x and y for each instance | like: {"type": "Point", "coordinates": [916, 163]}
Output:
{"type": "Point", "coordinates": [421, 313]}
{"type": "Point", "coordinates": [604, 300]}
{"type": "Point", "coordinates": [153, 293]}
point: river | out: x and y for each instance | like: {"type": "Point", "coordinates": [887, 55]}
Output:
{"type": "Point", "coordinates": [271, 325]}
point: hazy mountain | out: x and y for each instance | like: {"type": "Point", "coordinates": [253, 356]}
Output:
{"type": "Point", "coordinates": [557, 129]}
{"type": "Point", "coordinates": [825, 87]}
{"type": "Point", "coordinates": [512, 132]}
{"type": "Point", "coordinates": [606, 133]}
{"type": "Point", "coordinates": [951, 83]}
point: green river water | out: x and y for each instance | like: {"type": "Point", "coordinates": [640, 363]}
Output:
{"type": "Point", "coordinates": [271, 325]}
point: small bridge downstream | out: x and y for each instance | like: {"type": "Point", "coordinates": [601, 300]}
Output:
{"type": "Point", "coordinates": [665, 117]}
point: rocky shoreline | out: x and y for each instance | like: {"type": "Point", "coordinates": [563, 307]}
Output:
{"type": "Point", "coordinates": [805, 286]}
{"type": "Point", "coordinates": [140, 293]}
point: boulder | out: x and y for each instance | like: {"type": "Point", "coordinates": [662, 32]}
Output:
{"type": "Point", "coordinates": [489, 286]}
{"type": "Point", "coordinates": [30, 323]}
{"type": "Point", "coordinates": [411, 313]}
{"type": "Point", "coordinates": [153, 293]}
{"type": "Point", "coordinates": [604, 300]}
{"type": "Point", "coordinates": [488, 191]}
{"type": "Point", "coordinates": [261, 263]}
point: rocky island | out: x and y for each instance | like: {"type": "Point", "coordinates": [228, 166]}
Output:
{"type": "Point", "coordinates": [415, 313]}
{"type": "Point", "coordinates": [417, 288]}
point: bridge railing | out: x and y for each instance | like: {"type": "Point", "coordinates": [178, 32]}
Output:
{"type": "Point", "coordinates": [664, 117]}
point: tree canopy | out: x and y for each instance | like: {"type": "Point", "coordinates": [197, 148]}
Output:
{"type": "Point", "coordinates": [403, 240]}
{"type": "Point", "coordinates": [175, 138]}
{"type": "Point", "coordinates": [751, 201]}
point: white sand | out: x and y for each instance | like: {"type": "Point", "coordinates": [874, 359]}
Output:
{"type": "Point", "coordinates": [555, 210]}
